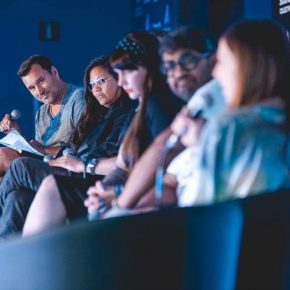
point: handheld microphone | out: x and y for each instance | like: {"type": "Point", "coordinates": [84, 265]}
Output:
{"type": "Point", "coordinates": [203, 103]}
{"type": "Point", "coordinates": [14, 115]}
{"type": "Point", "coordinates": [207, 101]}
{"type": "Point", "coordinates": [195, 111]}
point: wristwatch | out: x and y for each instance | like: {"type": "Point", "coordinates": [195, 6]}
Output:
{"type": "Point", "coordinates": [91, 165]}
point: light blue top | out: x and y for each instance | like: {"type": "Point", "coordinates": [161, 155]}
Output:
{"type": "Point", "coordinates": [242, 153]}
{"type": "Point", "coordinates": [56, 131]}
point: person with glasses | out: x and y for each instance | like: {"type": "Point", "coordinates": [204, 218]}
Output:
{"type": "Point", "coordinates": [137, 63]}
{"type": "Point", "coordinates": [246, 150]}
{"type": "Point", "coordinates": [92, 148]}
{"type": "Point", "coordinates": [187, 61]}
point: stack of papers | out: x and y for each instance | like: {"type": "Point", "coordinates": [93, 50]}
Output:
{"type": "Point", "coordinates": [17, 142]}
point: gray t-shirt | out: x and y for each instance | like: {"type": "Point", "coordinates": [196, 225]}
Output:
{"type": "Point", "coordinates": [56, 131]}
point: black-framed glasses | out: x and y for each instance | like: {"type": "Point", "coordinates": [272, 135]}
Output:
{"type": "Point", "coordinates": [187, 62]}
{"type": "Point", "coordinates": [99, 82]}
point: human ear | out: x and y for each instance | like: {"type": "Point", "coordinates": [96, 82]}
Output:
{"type": "Point", "coordinates": [54, 72]}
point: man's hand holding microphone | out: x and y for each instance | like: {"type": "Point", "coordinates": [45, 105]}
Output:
{"type": "Point", "coordinates": [9, 123]}
{"type": "Point", "coordinates": [185, 128]}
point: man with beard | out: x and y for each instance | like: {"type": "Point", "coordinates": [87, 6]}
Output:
{"type": "Point", "coordinates": [63, 104]}
{"type": "Point", "coordinates": [187, 62]}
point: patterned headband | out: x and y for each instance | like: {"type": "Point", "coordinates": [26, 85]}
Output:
{"type": "Point", "coordinates": [130, 46]}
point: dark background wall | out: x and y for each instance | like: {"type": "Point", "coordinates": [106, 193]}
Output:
{"type": "Point", "coordinates": [210, 15]}
{"type": "Point", "coordinates": [88, 28]}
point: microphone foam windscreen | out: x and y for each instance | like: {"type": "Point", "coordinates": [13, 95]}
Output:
{"type": "Point", "coordinates": [15, 114]}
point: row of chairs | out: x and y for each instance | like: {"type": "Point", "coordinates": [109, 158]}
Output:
{"type": "Point", "coordinates": [239, 244]}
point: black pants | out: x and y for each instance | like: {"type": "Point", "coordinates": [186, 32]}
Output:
{"type": "Point", "coordinates": [17, 190]}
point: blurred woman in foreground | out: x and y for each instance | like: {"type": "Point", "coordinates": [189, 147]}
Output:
{"type": "Point", "coordinates": [136, 61]}
{"type": "Point", "coordinates": [246, 151]}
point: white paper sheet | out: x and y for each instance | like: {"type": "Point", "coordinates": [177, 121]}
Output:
{"type": "Point", "coordinates": [17, 142]}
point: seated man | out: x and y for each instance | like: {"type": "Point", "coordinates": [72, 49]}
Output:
{"type": "Point", "coordinates": [188, 60]}
{"type": "Point", "coordinates": [63, 104]}
{"type": "Point", "coordinates": [236, 157]}
{"type": "Point", "coordinates": [92, 147]}
{"type": "Point", "coordinates": [234, 152]}
{"type": "Point", "coordinates": [180, 170]}
{"type": "Point", "coordinates": [186, 67]}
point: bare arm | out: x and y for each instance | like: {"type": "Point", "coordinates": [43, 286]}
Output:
{"type": "Point", "coordinates": [168, 197]}
{"type": "Point", "coordinates": [169, 190]}
{"type": "Point", "coordinates": [104, 189]}
{"type": "Point", "coordinates": [105, 166]}
{"type": "Point", "coordinates": [142, 177]}
{"type": "Point", "coordinates": [52, 150]}
{"type": "Point", "coordinates": [139, 188]}
{"type": "Point", "coordinates": [75, 164]}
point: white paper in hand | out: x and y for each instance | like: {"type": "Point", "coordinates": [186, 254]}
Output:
{"type": "Point", "coordinates": [17, 142]}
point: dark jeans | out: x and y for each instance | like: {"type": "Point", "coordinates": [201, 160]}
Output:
{"type": "Point", "coordinates": [17, 190]}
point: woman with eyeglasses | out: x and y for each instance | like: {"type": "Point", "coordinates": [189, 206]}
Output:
{"type": "Point", "coordinates": [109, 112]}
{"type": "Point", "coordinates": [136, 61]}
{"type": "Point", "coordinates": [92, 149]}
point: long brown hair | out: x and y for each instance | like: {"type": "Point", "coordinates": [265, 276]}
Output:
{"type": "Point", "coordinates": [138, 49]}
{"type": "Point", "coordinates": [94, 112]}
{"type": "Point", "coordinates": [262, 51]}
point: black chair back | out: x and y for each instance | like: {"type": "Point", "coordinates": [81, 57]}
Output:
{"type": "Point", "coordinates": [185, 248]}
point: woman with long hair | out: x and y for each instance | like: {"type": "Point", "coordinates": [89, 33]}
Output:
{"type": "Point", "coordinates": [246, 150]}
{"type": "Point", "coordinates": [102, 126]}
{"type": "Point", "coordinates": [136, 61]}
{"type": "Point", "coordinates": [97, 139]}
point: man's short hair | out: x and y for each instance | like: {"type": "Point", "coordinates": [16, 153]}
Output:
{"type": "Point", "coordinates": [186, 38]}
{"type": "Point", "coordinates": [41, 60]}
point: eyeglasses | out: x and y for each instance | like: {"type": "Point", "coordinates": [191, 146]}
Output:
{"type": "Point", "coordinates": [187, 62]}
{"type": "Point", "coordinates": [99, 82]}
